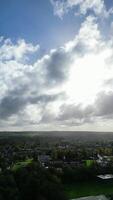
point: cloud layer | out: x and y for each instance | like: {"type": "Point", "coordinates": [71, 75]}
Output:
{"type": "Point", "coordinates": [71, 86]}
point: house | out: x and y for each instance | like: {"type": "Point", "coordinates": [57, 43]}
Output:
{"type": "Point", "coordinates": [44, 159]}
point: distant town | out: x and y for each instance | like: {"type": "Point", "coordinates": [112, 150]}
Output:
{"type": "Point", "coordinates": [79, 165]}
{"type": "Point", "coordinates": [56, 152]}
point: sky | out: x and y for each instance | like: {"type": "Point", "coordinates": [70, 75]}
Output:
{"type": "Point", "coordinates": [56, 65]}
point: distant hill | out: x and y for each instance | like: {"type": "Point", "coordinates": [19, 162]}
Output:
{"type": "Point", "coordinates": [75, 135]}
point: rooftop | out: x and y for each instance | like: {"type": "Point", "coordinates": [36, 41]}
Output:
{"type": "Point", "coordinates": [106, 176]}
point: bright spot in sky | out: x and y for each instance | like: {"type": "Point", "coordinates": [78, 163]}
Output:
{"type": "Point", "coordinates": [86, 78]}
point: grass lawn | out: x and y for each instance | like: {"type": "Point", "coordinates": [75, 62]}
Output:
{"type": "Point", "coordinates": [89, 189]}
{"type": "Point", "coordinates": [21, 164]}
{"type": "Point", "coordinates": [89, 163]}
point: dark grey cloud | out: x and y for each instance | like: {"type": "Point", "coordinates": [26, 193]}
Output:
{"type": "Point", "coordinates": [71, 111]}
{"type": "Point", "coordinates": [57, 66]}
{"type": "Point", "coordinates": [104, 104]}
{"type": "Point", "coordinates": [45, 98]}
{"type": "Point", "coordinates": [18, 99]}
{"type": "Point", "coordinates": [77, 114]}
{"type": "Point", "coordinates": [10, 105]}
{"type": "Point", "coordinates": [12, 102]}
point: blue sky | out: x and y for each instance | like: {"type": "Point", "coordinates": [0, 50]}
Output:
{"type": "Point", "coordinates": [56, 65]}
{"type": "Point", "coordinates": [33, 20]}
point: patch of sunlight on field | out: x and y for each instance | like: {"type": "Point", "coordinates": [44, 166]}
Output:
{"type": "Point", "coordinates": [21, 164]}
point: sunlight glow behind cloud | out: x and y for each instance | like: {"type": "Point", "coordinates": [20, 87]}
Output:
{"type": "Point", "coordinates": [71, 86]}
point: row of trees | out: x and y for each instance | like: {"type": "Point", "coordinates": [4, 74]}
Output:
{"type": "Point", "coordinates": [30, 183]}
{"type": "Point", "coordinates": [75, 175]}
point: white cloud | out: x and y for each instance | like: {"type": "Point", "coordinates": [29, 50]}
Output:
{"type": "Point", "coordinates": [17, 51]}
{"type": "Point", "coordinates": [62, 89]}
{"type": "Point", "coordinates": [98, 7]}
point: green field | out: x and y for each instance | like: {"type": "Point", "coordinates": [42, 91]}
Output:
{"type": "Point", "coordinates": [19, 165]}
{"type": "Point", "coordinates": [88, 189]}
{"type": "Point", "coordinates": [89, 163]}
